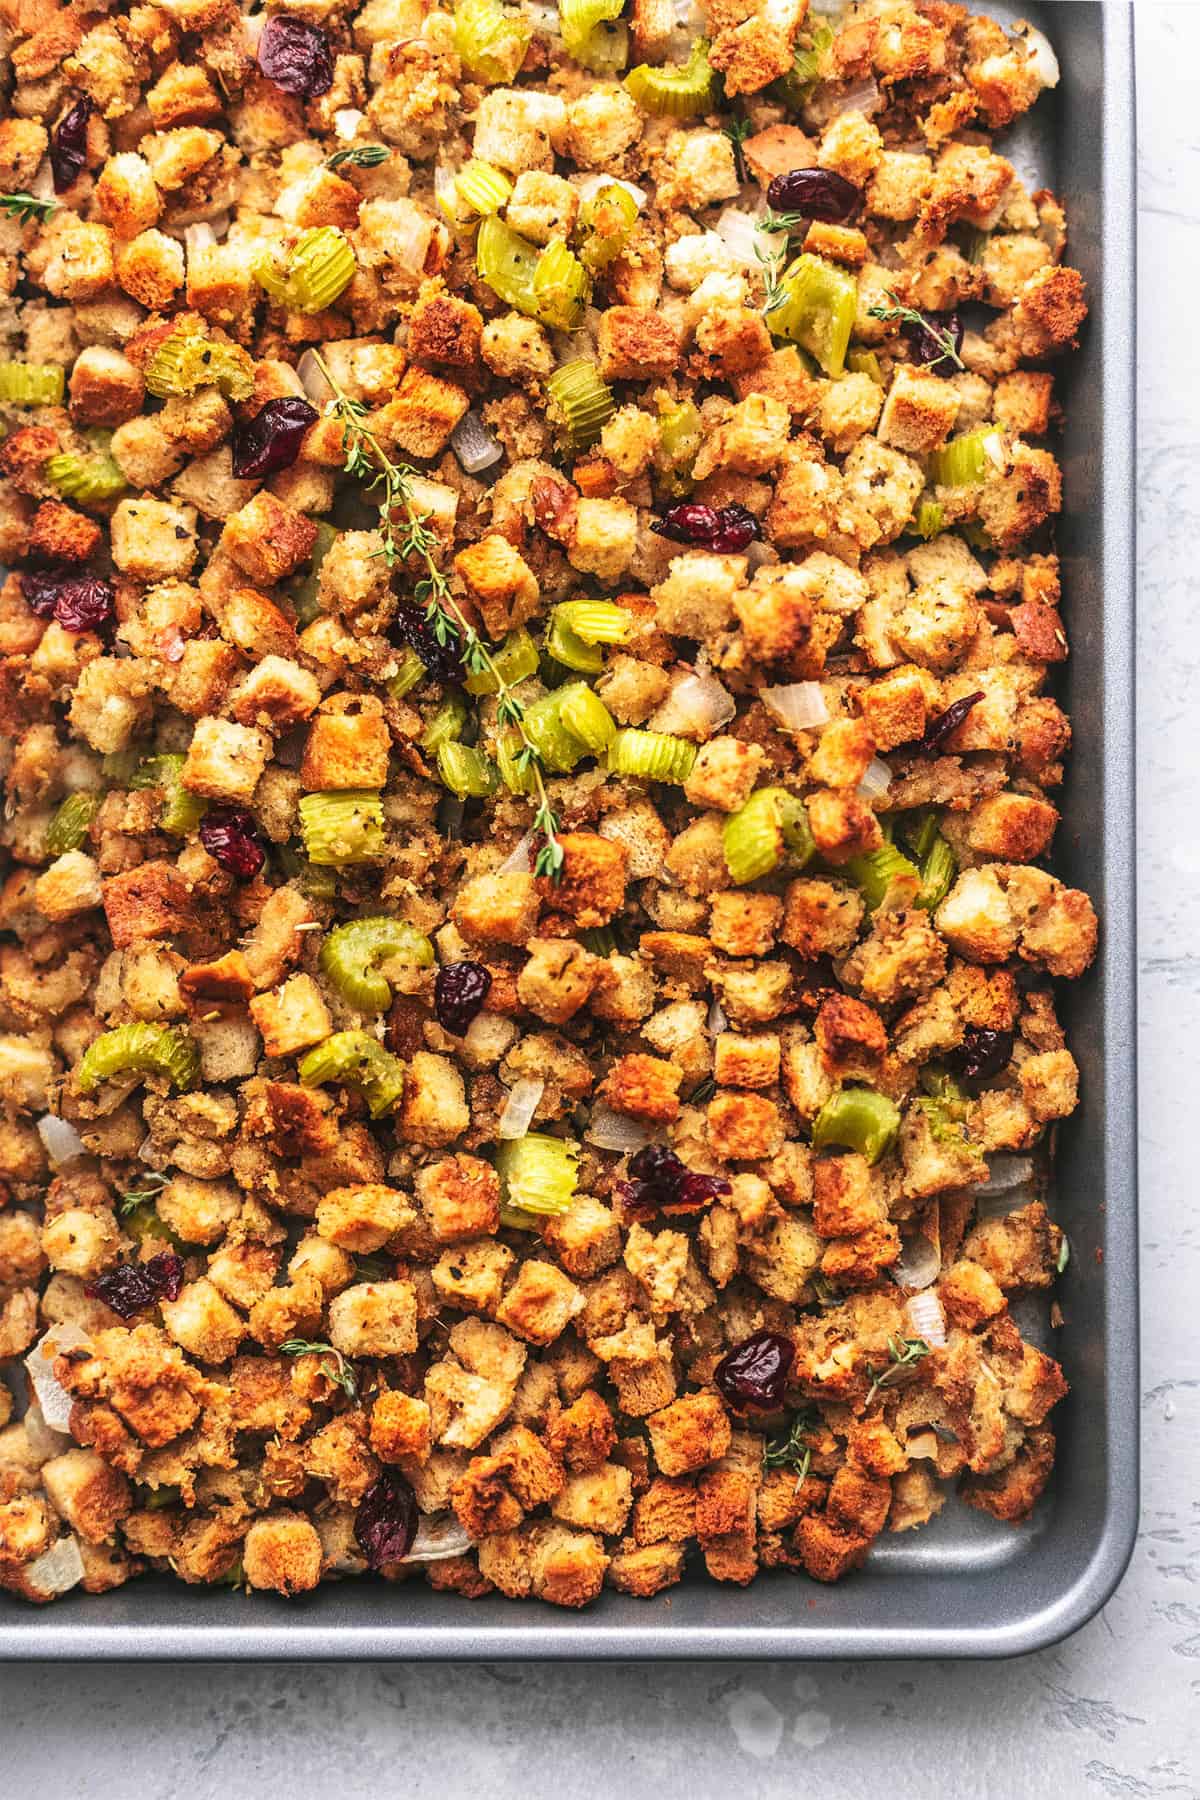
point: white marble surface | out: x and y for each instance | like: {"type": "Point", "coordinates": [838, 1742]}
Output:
{"type": "Point", "coordinates": [1116, 1710]}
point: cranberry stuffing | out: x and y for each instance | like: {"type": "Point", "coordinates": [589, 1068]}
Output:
{"type": "Point", "coordinates": [271, 440]}
{"type": "Point", "coordinates": [444, 661]}
{"type": "Point", "coordinates": [387, 1519]}
{"type": "Point", "coordinates": [459, 993]}
{"type": "Point", "coordinates": [941, 727]}
{"type": "Point", "coordinates": [755, 1373]}
{"type": "Point", "coordinates": [131, 1287]}
{"type": "Point", "coordinates": [68, 143]}
{"type": "Point", "coordinates": [928, 340]}
{"type": "Point", "coordinates": [726, 529]}
{"type": "Point", "coordinates": [84, 603]}
{"type": "Point", "coordinates": [296, 57]}
{"type": "Point", "coordinates": [816, 194]}
{"type": "Point", "coordinates": [230, 835]}
{"type": "Point", "coordinates": [983, 1052]}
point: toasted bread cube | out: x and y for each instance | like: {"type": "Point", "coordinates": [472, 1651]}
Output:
{"type": "Point", "coordinates": [500, 582]}
{"type": "Point", "coordinates": [689, 1433]}
{"type": "Point", "coordinates": [724, 773]}
{"type": "Point", "coordinates": [292, 1017]}
{"type": "Point", "coordinates": [150, 268]}
{"type": "Point", "coordinates": [348, 745]}
{"type": "Point", "coordinates": [203, 1323]}
{"type": "Point", "coordinates": [637, 343]}
{"type": "Point", "coordinates": [376, 1318]}
{"type": "Point", "coordinates": [461, 1198]}
{"type": "Point", "coordinates": [283, 1553]}
{"type": "Point", "coordinates": [472, 1276]}
{"type": "Point", "coordinates": [277, 691]}
{"type": "Point", "coordinates": [362, 1218]}
{"type": "Point", "coordinates": [70, 885]}
{"type": "Point", "coordinates": [500, 908]}
{"type": "Point", "coordinates": [540, 1304]}
{"type": "Point", "coordinates": [744, 1126]}
{"type": "Point", "coordinates": [643, 1087]}
{"type": "Point", "coordinates": [153, 541]}
{"type": "Point", "coordinates": [433, 1108]}
{"type": "Point", "coordinates": [919, 412]}
{"type": "Point", "coordinates": [747, 1062]}
{"type": "Point", "coordinates": [542, 206]}
{"type": "Point", "coordinates": [267, 539]}
{"type": "Point", "coordinates": [400, 1427]}
{"type": "Point", "coordinates": [423, 414]}
{"type": "Point", "coordinates": [224, 760]}
{"type": "Point", "coordinates": [92, 1497]}
{"type": "Point", "coordinates": [598, 1500]}
{"type": "Point", "coordinates": [105, 387]}
{"type": "Point", "coordinates": [743, 924]}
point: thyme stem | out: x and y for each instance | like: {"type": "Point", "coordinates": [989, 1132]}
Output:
{"type": "Point", "coordinates": [366, 458]}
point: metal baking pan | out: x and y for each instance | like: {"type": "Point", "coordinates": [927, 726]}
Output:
{"type": "Point", "coordinates": [966, 1585]}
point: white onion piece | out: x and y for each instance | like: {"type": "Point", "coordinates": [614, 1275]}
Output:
{"type": "Point", "coordinates": [346, 122]}
{"type": "Point", "coordinates": [410, 231]}
{"type": "Point", "coordinates": [696, 707]}
{"type": "Point", "coordinates": [252, 25]}
{"type": "Point", "coordinates": [993, 445]}
{"type": "Point", "coordinates": [922, 1444]}
{"type": "Point", "coordinates": [58, 1569]}
{"type": "Point", "coordinates": [919, 1264]}
{"type": "Point", "coordinates": [198, 237]}
{"type": "Point", "coordinates": [863, 97]}
{"type": "Point", "coordinates": [474, 445]}
{"type": "Point", "coordinates": [523, 1101]}
{"type": "Point", "coordinates": [1004, 1174]}
{"type": "Point", "coordinates": [43, 1441]}
{"type": "Point", "coordinates": [314, 383]}
{"type": "Point", "coordinates": [739, 233]}
{"type": "Point", "coordinates": [716, 1018]}
{"type": "Point", "coordinates": [42, 185]}
{"type": "Point", "coordinates": [926, 1319]}
{"type": "Point", "coordinates": [877, 779]}
{"type": "Point", "coordinates": [518, 861]}
{"type": "Point", "coordinates": [798, 706]}
{"type": "Point", "coordinates": [437, 1539]}
{"type": "Point", "coordinates": [609, 1130]}
{"type": "Point", "coordinates": [60, 1138]}
{"type": "Point", "coordinates": [49, 1393]}
{"type": "Point", "coordinates": [1041, 55]}
{"type": "Point", "coordinates": [589, 186]}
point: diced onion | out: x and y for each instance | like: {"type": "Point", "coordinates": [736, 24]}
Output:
{"type": "Point", "coordinates": [346, 122]}
{"type": "Point", "coordinates": [474, 445]}
{"type": "Point", "coordinates": [519, 860]}
{"type": "Point", "coordinates": [696, 707]}
{"type": "Point", "coordinates": [993, 445]}
{"type": "Point", "coordinates": [437, 1539]}
{"type": "Point", "coordinates": [198, 237]}
{"type": "Point", "coordinates": [523, 1101]}
{"type": "Point", "coordinates": [799, 706]}
{"type": "Point", "coordinates": [609, 1130]}
{"type": "Point", "coordinates": [60, 1138]}
{"type": "Point", "coordinates": [589, 186]}
{"type": "Point", "coordinates": [44, 1442]}
{"type": "Point", "coordinates": [877, 779]}
{"type": "Point", "coordinates": [863, 97]}
{"type": "Point", "coordinates": [1041, 56]}
{"type": "Point", "coordinates": [252, 25]}
{"type": "Point", "coordinates": [58, 1569]}
{"type": "Point", "coordinates": [739, 233]}
{"type": "Point", "coordinates": [922, 1444]}
{"type": "Point", "coordinates": [50, 1394]}
{"type": "Point", "coordinates": [409, 234]}
{"type": "Point", "coordinates": [919, 1264]}
{"type": "Point", "coordinates": [42, 185]}
{"type": "Point", "coordinates": [926, 1319]}
{"type": "Point", "coordinates": [315, 386]}
{"type": "Point", "coordinates": [1004, 1174]}
{"type": "Point", "coordinates": [717, 1021]}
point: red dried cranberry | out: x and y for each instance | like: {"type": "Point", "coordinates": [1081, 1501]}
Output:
{"type": "Point", "coordinates": [68, 143]}
{"type": "Point", "coordinates": [271, 440]}
{"type": "Point", "coordinates": [387, 1519]}
{"type": "Point", "coordinates": [816, 194]}
{"type": "Point", "coordinates": [459, 993]}
{"type": "Point", "coordinates": [726, 529]}
{"type": "Point", "coordinates": [661, 1181]}
{"type": "Point", "coordinates": [230, 835]}
{"type": "Point", "coordinates": [983, 1052]}
{"type": "Point", "coordinates": [755, 1373]}
{"type": "Point", "coordinates": [695, 1191]}
{"type": "Point", "coordinates": [928, 339]}
{"type": "Point", "coordinates": [736, 527]}
{"type": "Point", "coordinates": [131, 1287]}
{"type": "Point", "coordinates": [40, 588]}
{"type": "Point", "coordinates": [941, 727]}
{"type": "Point", "coordinates": [296, 57]}
{"type": "Point", "coordinates": [444, 661]}
{"type": "Point", "coordinates": [84, 603]}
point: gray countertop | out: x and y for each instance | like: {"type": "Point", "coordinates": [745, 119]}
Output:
{"type": "Point", "coordinates": [1115, 1710]}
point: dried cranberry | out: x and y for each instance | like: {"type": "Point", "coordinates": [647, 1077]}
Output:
{"type": "Point", "coordinates": [131, 1287]}
{"type": "Point", "coordinates": [296, 57]}
{"type": "Point", "coordinates": [387, 1519]}
{"type": "Point", "coordinates": [459, 993]}
{"type": "Point", "coordinates": [983, 1052]}
{"type": "Point", "coordinates": [40, 588]}
{"type": "Point", "coordinates": [928, 338]}
{"type": "Point", "coordinates": [941, 727]}
{"type": "Point", "coordinates": [755, 1373]}
{"type": "Point", "coordinates": [661, 1180]}
{"type": "Point", "coordinates": [68, 143]}
{"type": "Point", "coordinates": [726, 528]}
{"type": "Point", "coordinates": [816, 194]}
{"type": "Point", "coordinates": [84, 603]}
{"type": "Point", "coordinates": [271, 440]}
{"type": "Point", "coordinates": [444, 661]}
{"type": "Point", "coordinates": [230, 835]}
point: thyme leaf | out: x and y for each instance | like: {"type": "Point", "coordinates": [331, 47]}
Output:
{"type": "Point", "coordinates": [358, 156]}
{"type": "Point", "coordinates": [905, 1353]}
{"type": "Point", "coordinates": [23, 207]}
{"type": "Point", "coordinates": [908, 315]}
{"type": "Point", "coordinates": [339, 1370]}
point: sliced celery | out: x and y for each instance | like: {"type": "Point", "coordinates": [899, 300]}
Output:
{"type": "Point", "coordinates": [652, 755]}
{"type": "Point", "coordinates": [508, 263]}
{"type": "Point", "coordinates": [85, 478]}
{"type": "Point", "coordinates": [342, 828]}
{"type": "Point", "coordinates": [351, 952]}
{"type": "Point", "coordinates": [606, 222]}
{"type": "Point", "coordinates": [561, 287]}
{"type": "Point", "coordinates": [558, 746]}
{"type": "Point", "coordinates": [568, 648]}
{"type": "Point", "coordinates": [140, 1049]}
{"type": "Point", "coordinates": [31, 384]}
{"type": "Point", "coordinates": [585, 716]}
{"type": "Point", "coordinates": [857, 1118]}
{"type": "Point", "coordinates": [537, 1177]}
{"type": "Point", "coordinates": [874, 872]}
{"type": "Point", "coordinates": [516, 659]}
{"type": "Point", "coordinates": [965, 459]}
{"type": "Point", "coordinates": [482, 187]}
{"type": "Point", "coordinates": [357, 1060]}
{"type": "Point", "coordinates": [938, 870]}
{"type": "Point", "coordinates": [466, 772]}
{"type": "Point", "coordinates": [445, 724]}
{"type": "Point", "coordinates": [69, 826]}
{"type": "Point", "coordinates": [596, 621]}
{"type": "Point", "coordinates": [410, 674]}
{"type": "Point", "coordinates": [757, 836]}
{"type": "Point", "coordinates": [188, 359]}
{"type": "Point", "coordinates": [929, 519]}
{"type": "Point", "coordinates": [815, 306]}
{"type": "Point", "coordinates": [310, 276]}
{"type": "Point", "coordinates": [182, 810]}
{"type": "Point", "coordinates": [490, 41]}
{"type": "Point", "coordinates": [583, 401]}
{"type": "Point", "coordinates": [680, 93]}
{"type": "Point", "coordinates": [590, 36]}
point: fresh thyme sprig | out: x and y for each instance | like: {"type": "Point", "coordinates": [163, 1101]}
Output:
{"type": "Point", "coordinates": [358, 156]}
{"type": "Point", "coordinates": [784, 221]}
{"type": "Point", "coordinates": [773, 260]}
{"type": "Point", "coordinates": [791, 1452]}
{"type": "Point", "coordinates": [135, 1197]}
{"type": "Point", "coordinates": [24, 207]}
{"type": "Point", "coordinates": [905, 1354]}
{"type": "Point", "coordinates": [737, 131]}
{"type": "Point", "coordinates": [366, 458]}
{"type": "Point", "coordinates": [908, 315]}
{"type": "Point", "coordinates": [339, 1370]}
